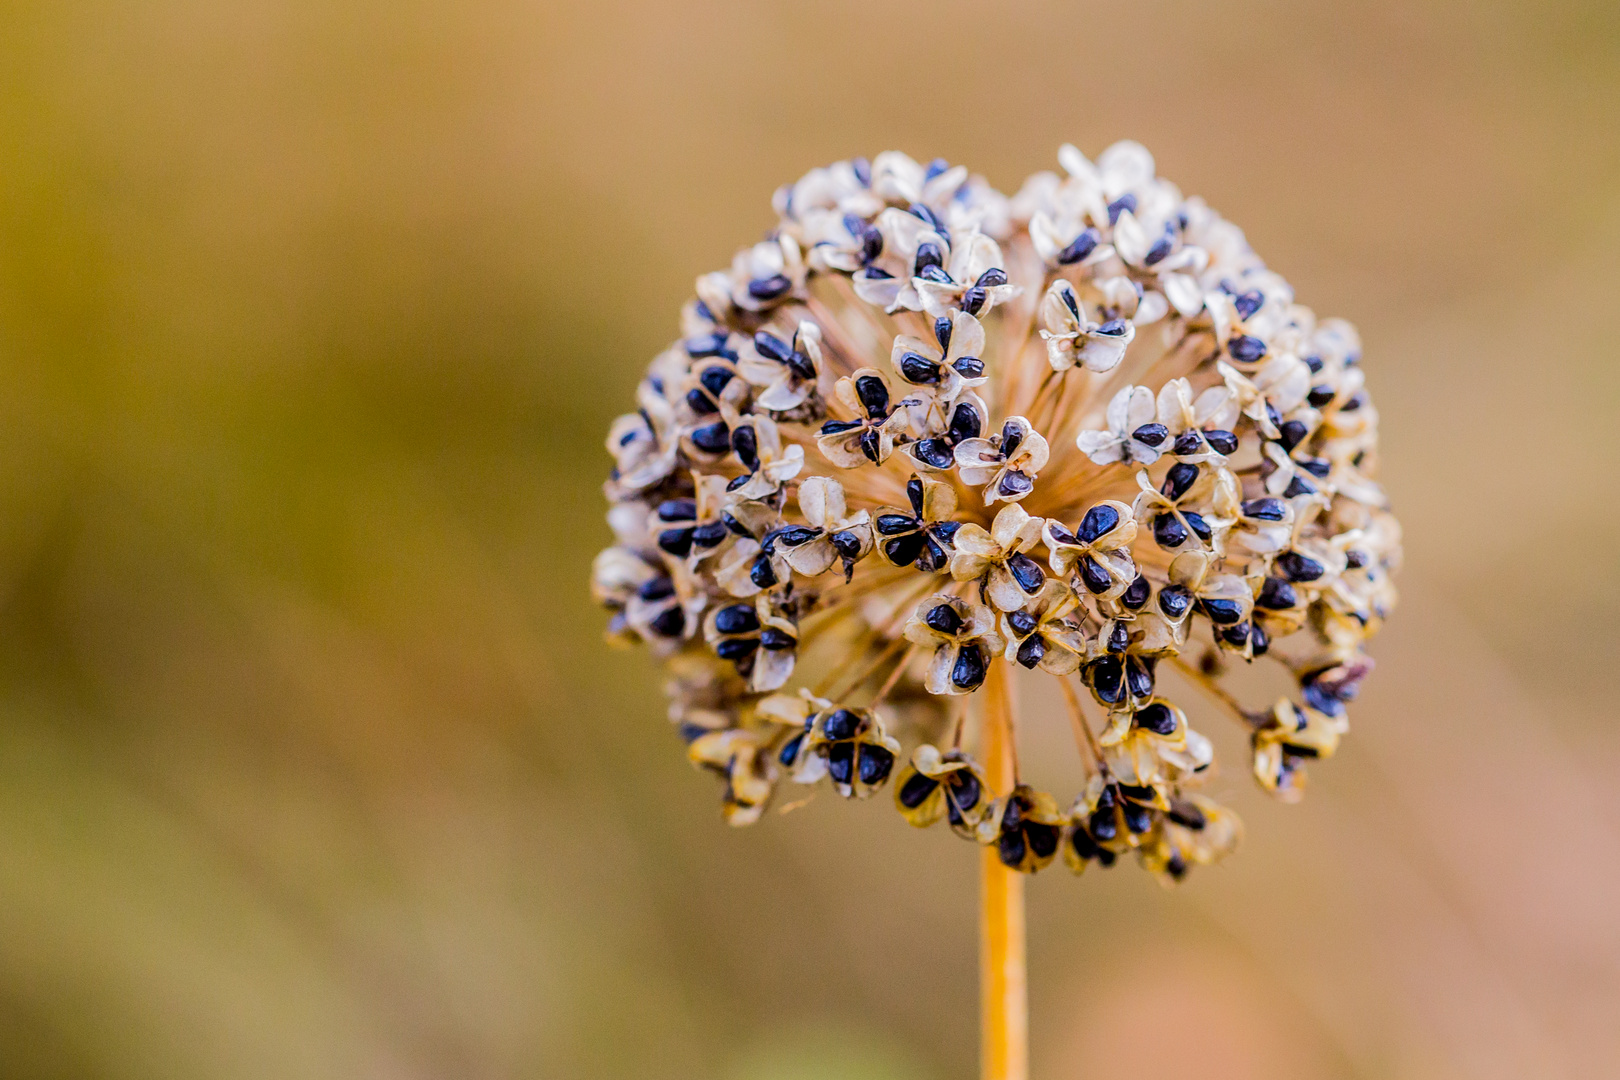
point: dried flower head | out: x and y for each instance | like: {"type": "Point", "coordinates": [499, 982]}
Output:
{"type": "Point", "coordinates": [923, 429]}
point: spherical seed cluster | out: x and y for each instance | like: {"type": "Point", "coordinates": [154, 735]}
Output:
{"type": "Point", "coordinates": [923, 429]}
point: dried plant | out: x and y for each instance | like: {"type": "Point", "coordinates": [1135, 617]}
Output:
{"type": "Point", "coordinates": [924, 433]}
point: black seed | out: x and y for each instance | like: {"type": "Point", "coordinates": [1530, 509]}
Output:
{"type": "Point", "coordinates": [944, 619]}
{"type": "Point", "coordinates": [968, 671]}
{"type": "Point", "coordinates": [1031, 651]}
{"type": "Point", "coordinates": [1157, 253]}
{"type": "Point", "coordinates": [847, 544]}
{"type": "Point", "coordinates": [1011, 436]}
{"type": "Point", "coordinates": [790, 749]}
{"type": "Point", "coordinates": [1099, 521]}
{"type": "Point", "coordinates": [1298, 567]}
{"type": "Point", "coordinates": [656, 589]}
{"type": "Point", "coordinates": [1079, 248]}
{"type": "Point", "coordinates": [1061, 534]}
{"type": "Point", "coordinates": [1196, 523]}
{"type": "Point", "coordinates": [934, 274]}
{"type": "Point", "coordinates": [1292, 434]}
{"type": "Point", "coordinates": [1222, 442]}
{"type": "Point", "coordinates": [874, 396]}
{"type": "Point", "coordinates": [969, 367]}
{"type": "Point", "coordinates": [1187, 814]}
{"type": "Point", "coordinates": [1315, 364]}
{"type": "Point", "coordinates": [699, 402]}
{"type": "Point", "coordinates": [1157, 718]}
{"type": "Point", "coordinates": [1043, 839]}
{"type": "Point", "coordinates": [964, 787]}
{"type": "Point", "coordinates": [1354, 559]}
{"type": "Point", "coordinates": [1011, 848]}
{"type": "Point", "coordinates": [1298, 486]}
{"type": "Point", "coordinates": [1027, 572]}
{"type": "Point", "coordinates": [945, 531]}
{"type": "Point", "coordinates": [1102, 824]}
{"type": "Point", "coordinates": [1221, 612]}
{"type": "Point", "coordinates": [736, 648]}
{"type": "Point", "coordinates": [1095, 577]}
{"type": "Point", "coordinates": [872, 446]}
{"type": "Point", "coordinates": [1113, 327]}
{"type": "Point", "coordinates": [992, 278]}
{"type": "Point", "coordinates": [1119, 638]}
{"type": "Point", "coordinates": [1179, 479]}
{"type": "Point", "coordinates": [1176, 866]}
{"type": "Point", "coordinates": [1151, 434]}
{"type": "Point", "coordinates": [796, 535]}
{"type": "Point", "coordinates": [905, 550]}
{"type": "Point", "coordinates": [841, 724]}
{"type": "Point", "coordinates": [1169, 532]}
{"type": "Point", "coordinates": [841, 762]}
{"type": "Point", "coordinates": [916, 788]}
{"type": "Point", "coordinates": [1320, 396]}
{"type": "Point", "coordinates": [745, 441]}
{"type": "Point", "coordinates": [709, 534]}
{"type": "Point", "coordinates": [1015, 483]}
{"type": "Point", "coordinates": [914, 495]}
{"type": "Point", "coordinates": [1174, 601]}
{"type": "Point", "coordinates": [705, 345]}
{"type": "Point", "coordinates": [877, 273]}
{"type": "Point", "coordinates": [762, 573]}
{"type": "Point", "coordinates": [871, 242]}
{"type": "Point", "coordinates": [838, 427]}
{"type": "Point", "coordinates": [678, 542]}
{"type": "Point", "coordinates": [1354, 403]}
{"type": "Point", "coordinates": [1259, 640]}
{"type": "Point", "coordinates": [1188, 442]}
{"type": "Point", "coordinates": [933, 557]}
{"type": "Point", "coordinates": [1084, 846]}
{"type": "Point", "coordinates": [1136, 593]}
{"type": "Point", "coordinates": [1022, 621]}
{"type": "Point", "coordinates": [1138, 677]}
{"type": "Point", "coordinates": [928, 254]}
{"type": "Point", "coordinates": [1125, 202]}
{"type": "Point", "coordinates": [671, 622]}
{"type": "Point", "coordinates": [895, 524]}
{"type": "Point", "coordinates": [876, 762]}
{"type": "Point", "coordinates": [777, 640]}
{"type": "Point", "coordinates": [769, 288]}
{"type": "Point", "coordinates": [733, 525]}
{"type": "Point", "coordinates": [1138, 819]}
{"type": "Point", "coordinates": [1318, 467]}
{"type": "Point", "coordinates": [736, 619]}
{"type": "Point", "coordinates": [1248, 303]}
{"type": "Point", "coordinates": [1276, 594]}
{"type": "Point", "coordinates": [935, 453]}
{"type": "Point", "coordinates": [713, 438]}
{"type": "Point", "coordinates": [973, 299]}
{"type": "Point", "coordinates": [1108, 679]}
{"type": "Point", "coordinates": [919, 369]}
{"type": "Point", "coordinates": [1245, 348]}
{"type": "Point", "coordinates": [1265, 509]}
{"type": "Point", "coordinates": [677, 510]}
{"type": "Point", "coordinates": [801, 366]}
{"type": "Point", "coordinates": [942, 333]}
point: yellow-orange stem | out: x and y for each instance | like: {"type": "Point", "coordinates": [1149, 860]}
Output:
{"type": "Point", "coordinates": [1003, 992]}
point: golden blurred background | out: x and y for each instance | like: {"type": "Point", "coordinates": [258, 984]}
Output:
{"type": "Point", "coordinates": [312, 763]}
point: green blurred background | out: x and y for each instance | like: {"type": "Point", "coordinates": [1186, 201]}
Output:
{"type": "Point", "coordinates": [312, 764]}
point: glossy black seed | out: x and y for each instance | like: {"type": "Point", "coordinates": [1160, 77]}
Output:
{"type": "Point", "coordinates": [928, 254]}
{"type": "Point", "coordinates": [895, 524]}
{"type": "Point", "coordinates": [1031, 651]}
{"type": "Point", "coordinates": [973, 299]}
{"type": "Point", "coordinates": [916, 789]}
{"type": "Point", "coordinates": [1354, 403]}
{"type": "Point", "coordinates": [964, 788]}
{"type": "Point", "coordinates": [1221, 612]}
{"type": "Point", "coordinates": [968, 672]}
{"type": "Point", "coordinates": [1022, 622]}
{"type": "Point", "coordinates": [1095, 577]}
{"type": "Point", "coordinates": [1102, 824]}
{"type": "Point", "coordinates": [1265, 509]}
{"type": "Point", "coordinates": [874, 395]}
{"type": "Point", "coordinates": [1248, 303]}
{"type": "Point", "coordinates": [1174, 600]}
{"type": "Point", "coordinates": [699, 402]}
{"type": "Point", "coordinates": [796, 535]}
{"type": "Point", "coordinates": [1138, 819]}
{"type": "Point", "coordinates": [762, 573]}
{"type": "Point", "coordinates": [969, 367]}
{"type": "Point", "coordinates": [1011, 848]}
{"type": "Point", "coordinates": [769, 288]}
{"type": "Point", "coordinates": [677, 510]}
{"type": "Point", "coordinates": [1222, 442]}
{"type": "Point", "coordinates": [914, 495]}
{"type": "Point", "coordinates": [1277, 595]}
{"type": "Point", "coordinates": [838, 427]}
{"type": "Point", "coordinates": [876, 763]}
{"type": "Point", "coordinates": [919, 369]}
{"type": "Point", "coordinates": [1245, 348]}
{"type": "Point", "coordinates": [777, 640]}
{"type": "Point", "coordinates": [1151, 434]}
{"type": "Point", "coordinates": [1198, 525]}
{"type": "Point", "coordinates": [736, 648]}
{"type": "Point", "coordinates": [1314, 363]}
{"type": "Point", "coordinates": [1027, 572]}
{"type": "Point", "coordinates": [1235, 636]}
{"type": "Point", "coordinates": [1139, 676]}
{"type": "Point", "coordinates": [801, 365]}
{"type": "Point", "coordinates": [1043, 839]}
{"type": "Point", "coordinates": [790, 750]}
{"type": "Point", "coordinates": [871, 242]}
{"type": "Point", "coordinates": [1318, 467]}
{"type": "Point", "coordinates": [1320, 396]}
{"type": "Point", "coordinates": [1079, 247]}
{"type": "Point", "coordinates": [841, 724]}
{"type": "Point", "coordinates": [943, 618]}
{"type": "Point", "coordinates": [841, 762]}
{"type": "Point", "coordinates": [1259, 640]}
{"type": "Point", "coordinates": [1291, 434]}
{"type": "Point", "coordinates": [1015, 483]}
{"type": "Point", "coordinates": [1157, 718]}
{"type": "Point", "coordinates": [1119, 638]}
{"type": "Point", "coordinates": [1158, 252]}
{"type": "Point", "coordinates": [872, 446]}
{"type": "Point", "coordinates": [1125, 202]}
{"type": "Point", "coordinates": [1176, 866]}
{"type": "Point", "coordinates": [1298, 567]}
{"type": "Point", "coordinates": [992, 278]}
{"type": "Point", "coordinates": [678, 542]}
{"type": "Point", "coordinates": [1180, 479]}
{"type": "Point", "coordinates": [1061, 534]}
{"type": "Point", "coordinates": [745, 441]}
{"type": "Point", "coordinates": [733, 525]}
{"type": "Point", "coordinates": [1011, 436]}
{"type": "Point", "coordinates": [671, 622]}
{"type": "Point", "coordinates": [847, 544]}
{"type": "Point", "coordinates": [1188, 442]}
{"type": "Point", "coordinates": [933, 557]}
{"type": "Point", "coordinates": [1168, 532]}
{"type": "Point", "coordinates": [1108, 679]}
{"type": "Point", "coordinates": [942, 333]}
{"type": "Point", "coordinates": [1136, 593]}
{"type": "Point", "coordinates": [713, 438]}
{"type": "Point", "coordinates": [1113, 327]}
{"type": "Point", "coordinates": [1301, 751]}
{"type": "Point", "coordinates": [1273, 415]}
{"type": "Point", "coordinates": [709, 534]}
{"type": "Point", "coordinates": [656, 589]}
{"type": "Point", "coordinates": [1298, 486]}
{"type": "Point", "coordinates": [877, 273]}
{"type": "Point", "coordinates": [905, 550]}
{"type": "Point", "coordinates": [935, 453]}
{"type": "Point", "coordinates": [1099, 521]}
{"type": "Point", "coordinates": [736, 619]}
{"type": "Point", "coordinates": [705, 345]}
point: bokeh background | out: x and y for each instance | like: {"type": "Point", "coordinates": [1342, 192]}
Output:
{"type": "Point", "coordinates": [312, 764]}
